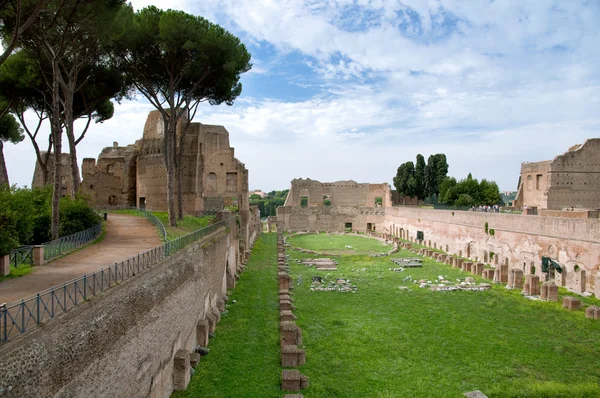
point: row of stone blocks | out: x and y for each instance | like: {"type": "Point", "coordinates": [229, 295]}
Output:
{"type": "Point", "coordinates": [513, 278]}
{"type": "Point", "coordinates": [290, 333]}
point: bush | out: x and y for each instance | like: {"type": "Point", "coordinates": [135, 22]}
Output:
{"type": "Point", "coordinates": [76, 215]}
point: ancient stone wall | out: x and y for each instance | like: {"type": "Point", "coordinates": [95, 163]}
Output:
{"type": "Point", "coordinates": [569, 180]}
{"type": "Point", "coordinates": [521, 240]}
{"type": "Point", "coordinates": [123, 343]}
{"type": "Point", "coordinates": [65, 173]}
{"type": "Point", "coordinates": [313, 193]}
{"type": "Point", "coordinates": [212, 177]}
{"type": "Point", "coordinates": [574, 177]}
{"type": "Point", "coordinates": [112, 180]}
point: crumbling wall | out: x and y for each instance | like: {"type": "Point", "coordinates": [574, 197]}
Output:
{"type": "Point", "coordinates": [339, 194]}
{"type": "Point", "coordinates": [574, 177]}
{"type": "Point", "coordinates": [517, 239]}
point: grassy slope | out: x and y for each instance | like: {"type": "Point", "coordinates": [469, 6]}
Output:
{"type": "Point", "coordinates": [384, 342]}
{"type": "Point", "coordinates": [337, 243]}
{"type": "Point", "coordinates": [188, 224]}
{"type": "Point", "coordinates": [244, 360]}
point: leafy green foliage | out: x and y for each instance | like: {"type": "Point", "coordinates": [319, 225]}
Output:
{"type": "Point", "coordinates": [269, 204]}
{"type": "Point", "coordinates": [76, 215]}
{"type": "Point", "coordinates": [469, 192]}
{"type": "Point", "coordinates": [25, 216]}
{"type": "Point", "coordinates": [422, 180]}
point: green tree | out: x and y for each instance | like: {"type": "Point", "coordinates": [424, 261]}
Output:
{"type": "Point", "coordinates": [404, 184]}
{"type": "Point", "coordinates": [420, 177]}
{"type": "Point", "coordinates": [63, 42]}
{"type": "Point", "coordinates": [12, 132]}
{"type": "Point", "coordinates": [176, 61]}
{"type": "Point", "coordinates": [21, 83]}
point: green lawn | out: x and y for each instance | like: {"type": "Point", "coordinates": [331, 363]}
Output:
{"type": "Point", "coordinates": [244, 359]}
{"type": "Point", "coordinates": [336, 244]}
{"type": "Point", "coordinates": [188, 224]}
{"type": "Point", "coordinates": [382, 341]}
{"type": "Point", "coordinates": [386, 342]}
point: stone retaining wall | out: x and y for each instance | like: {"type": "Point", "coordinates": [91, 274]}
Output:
{"type": "Point", "coordinates": [136, 340]}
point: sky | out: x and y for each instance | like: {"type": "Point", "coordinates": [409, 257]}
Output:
{"type": "Point", "coordinates": [351, 89]}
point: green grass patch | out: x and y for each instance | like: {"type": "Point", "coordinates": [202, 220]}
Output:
{"type": "Point", "coordinates": [188, 224]}
{"type": "Point", "coordinates": [337, 244]}
{"type": "Point", "coordinates": [244, 359]}
{"type": "Point", "coordinates": [382, 341]}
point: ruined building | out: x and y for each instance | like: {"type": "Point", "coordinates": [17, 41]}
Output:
{"type": "Point", "coordinates": [65, 173]}
{"type": "Point", "coordinates": [312, 205]}
{"type": "Point", "coordinates": [135, 175]}
{"type": "Point", "coordinates": [569, 180]}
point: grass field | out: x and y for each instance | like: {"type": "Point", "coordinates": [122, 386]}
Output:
{"type": "Point", "coordinates": [336, 244]}
{"type": "Point", "coordinates": [382, 341]}
{"type": "Point", "coordinates": [188, 224]}
{"type": "Point", "coordinates": [386, 342]}
{"type": "Point", "coordinates": [244, 359]}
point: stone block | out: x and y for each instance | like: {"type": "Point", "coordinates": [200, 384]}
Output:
{"type": "Point", "coordinates": [38, 255]}
{"type": "Point", "coordinates": [592, 312]}
{"type": "Point", "coordinates": [549, 291]}
{"type": "Point", "coordinates": [194, 359]}
{"type": "Point", "coordinates": [284, 281]}
{"type": "Point", "coordinates": [466, 266]}
{"type": "Point", "coordinates": [4, 265]}
{"type": "Point", "coordinates": [475, 394]}
{"type": "Point", "coordinates": [287, 316]}
{"type": "Point", "coordinates": [290, 333]}
{"type": "Point", "coordinates": [515, 279]}
{"type": "Point", "coordinates": [202, 329]}
{"type": "Point", "coordinates": [571, 303]}
{"type": "Point", "coordinates": [286, 305]}
{"type": "Point", "coordinates": [293, 380]}
{"type": "Point", "coordinates": [181, 370]}
{"type": "Point", "coordinates": [212, 322]}
{"type": "Point", "coordinates": [292, 356]}
{"type": "Point", "coordinates": [534, 285]}
{"type": "Point", "coordinates": [488, 273]}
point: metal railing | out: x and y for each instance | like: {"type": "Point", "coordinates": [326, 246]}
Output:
{"type": "Point", "coordinates": [18, 317]}
{"type": "Point", "coordinates": [67, 243]}
{"type": "Point", "coordinates": [21, 255]}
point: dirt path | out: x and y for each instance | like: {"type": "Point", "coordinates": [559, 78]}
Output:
{"type": "Point", "coordinates": [126, 235]}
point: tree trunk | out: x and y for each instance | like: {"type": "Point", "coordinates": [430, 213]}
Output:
{"type": "Point", "coordinates": [3, 172]}
{"type": "Point", "coordinates": [179, 176]}
{"type": "Point", "coordinates": [168, 144]}
{"type": "Point", "coordinates": [57, 142]}
{"type": "Point", "coordinates": [72, 148]}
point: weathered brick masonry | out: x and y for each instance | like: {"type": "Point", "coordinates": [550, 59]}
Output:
{"type": "Point", "coordinates": [124, 342]}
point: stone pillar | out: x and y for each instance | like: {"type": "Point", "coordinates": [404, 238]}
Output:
{"type": "Point", "coordinates": [477, 269]}
{"type": "Point", "coordinates": [202, 329]}
{"type": "Point", "coordinates": [291, 334]}
{"type": "Point", "coordinates": [515, 279]}
{"type": "Point", "coordinates": [5, 265]}
{"type": "Point", "coordinates": [181, 370]}
{"type": "Point", "coordinates": [284, 280]}
{"type": "Point", "coordinates": [549, 291]}
{"type": "Point", "coordinates": [526, 285]}
{"type": "Point", "coordinates": [579, 281]}
{"type": "Point", "coordinates": [534, 285]}
{"type": "Point", "coordinates": [38, 255]}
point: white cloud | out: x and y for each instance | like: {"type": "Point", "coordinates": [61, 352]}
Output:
{"type": "Point", "coordinates": [491, 84]}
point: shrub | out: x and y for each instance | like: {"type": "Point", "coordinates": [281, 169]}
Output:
{"type": "Point", "coordinates": [76, 215]}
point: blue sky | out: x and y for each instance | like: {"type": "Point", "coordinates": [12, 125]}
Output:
{"type": "Point", "coordinates": [346, 89]}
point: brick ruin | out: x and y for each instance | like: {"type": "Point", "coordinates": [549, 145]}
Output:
{"type": "Point", "coordinates": [518, 241]}
{"type": "Point", "coordinates": [570, 180]}
{"type": "Point", "coordinates": [135, 175]}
